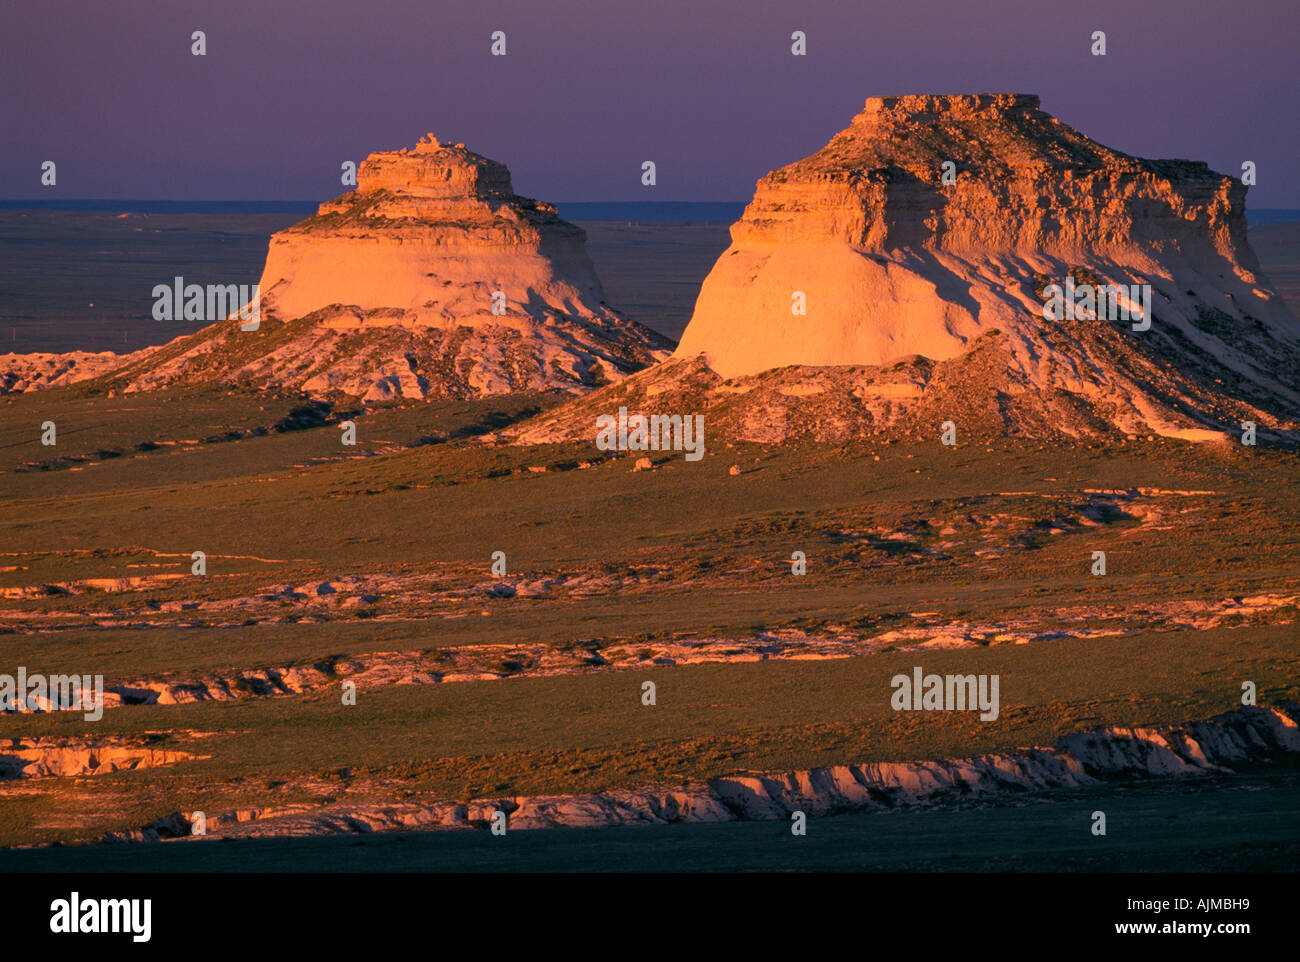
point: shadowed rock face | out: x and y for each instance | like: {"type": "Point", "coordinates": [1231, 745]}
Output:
{"type": "Point", "coordinates": [389, 291]}
{"type": "Point", "coordinates": [926, 290]}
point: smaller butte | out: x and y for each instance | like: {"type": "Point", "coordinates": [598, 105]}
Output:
{"type": "Point", "coordinates": [433, 279]}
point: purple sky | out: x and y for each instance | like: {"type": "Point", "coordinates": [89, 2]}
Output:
{"type": "Point", "coordinates": [290, 89]}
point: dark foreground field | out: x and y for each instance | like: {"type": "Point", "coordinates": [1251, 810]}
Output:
{"type": "Point", "coordinates": [1240, 823]}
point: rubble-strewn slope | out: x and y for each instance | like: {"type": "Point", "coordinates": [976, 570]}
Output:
{"type": "Point", "coordinates": [924, 299]}
{"type": "Point", "coordinates": [34, 372]}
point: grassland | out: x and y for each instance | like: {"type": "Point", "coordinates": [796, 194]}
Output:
{"type": "Point", "coordinates": [684, 551]}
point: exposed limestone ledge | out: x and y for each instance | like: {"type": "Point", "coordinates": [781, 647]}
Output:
{"type": "Point", "coordinates": [52, 757]}
{"type": "Point", "coordinates": [1217, 745]}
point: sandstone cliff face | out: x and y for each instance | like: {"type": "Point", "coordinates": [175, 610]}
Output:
{"type": "Point", "coordinates": [432, 233]}
{"type": "Point", "coordinates": [389, 291]}
{"type": "Point", "coordinates": [924, 299]}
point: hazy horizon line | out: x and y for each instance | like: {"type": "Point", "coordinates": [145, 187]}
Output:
{"type": "Point", "coordinates": [13, 201]}
{"type": "Point", "coordinates": [588, 210]}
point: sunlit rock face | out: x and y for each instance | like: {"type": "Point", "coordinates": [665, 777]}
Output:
{"type": "Point", "coordinates": [426, 238]}
{"type": "Point", "coordinates": [932, 287]}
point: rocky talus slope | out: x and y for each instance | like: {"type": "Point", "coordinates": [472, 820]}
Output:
{"type": "Point", "coordinates": [33, 372]}
{"type": "Point", "coordinates": [432, 279]}
{"type": "Point", "coordinates": [865, 292]}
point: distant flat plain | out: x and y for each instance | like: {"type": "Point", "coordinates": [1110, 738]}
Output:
{"type": "Point", "coordinates": [82, 280]}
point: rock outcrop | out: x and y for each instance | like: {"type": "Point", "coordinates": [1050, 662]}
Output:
{"type": "Point", "coordinates": [1228, 742]}
{"type": "Point", "coordinates": [432, 279]}
{"type": "Point", "coordinates": [51, 757]}
{"type": "Point", "coordinates": [484, 662]}
{"type": "Point", "coordinates": [34, 372]}
{"type": "Point", "coordinates": [897, 279]}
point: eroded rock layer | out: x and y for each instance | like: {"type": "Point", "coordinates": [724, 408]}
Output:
{"type": "Point", "coordinates": [1236, 740]}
